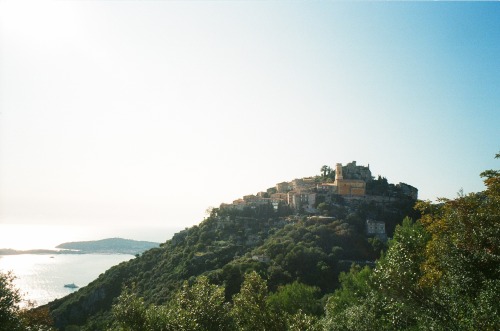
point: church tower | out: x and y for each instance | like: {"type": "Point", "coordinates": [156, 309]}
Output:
{"type": "Point", "coordinates": [349, 187]}
{"type": "Point", "coordinates": [338, 171]}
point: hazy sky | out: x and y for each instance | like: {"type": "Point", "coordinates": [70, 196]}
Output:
{"type": "Point", "coordinates": [148, 112]}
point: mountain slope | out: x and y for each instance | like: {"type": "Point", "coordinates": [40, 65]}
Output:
{"type": "Point", "coordinates": [224, 247]}
{"type": "Point", "coordinates": [282, 247]}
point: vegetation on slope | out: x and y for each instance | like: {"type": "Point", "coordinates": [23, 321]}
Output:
{"type": "Point", "coordinates": [246, 269]}
{"type": "Point", "coordinates": [439, 273]}
{"type": "Point", "coordinates": [227, 245]}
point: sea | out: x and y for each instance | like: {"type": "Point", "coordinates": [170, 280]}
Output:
{"type": "Point", "coordinates": [41, 277]}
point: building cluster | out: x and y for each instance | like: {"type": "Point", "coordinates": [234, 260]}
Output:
{"type": "Point", "coordinates": [302, 194]}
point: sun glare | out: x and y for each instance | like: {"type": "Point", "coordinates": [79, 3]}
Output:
{"type": "Point", "coordinates": [36, 236]}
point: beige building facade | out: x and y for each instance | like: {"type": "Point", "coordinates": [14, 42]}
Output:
{"type": "Point", "coordinates": [352, 187]}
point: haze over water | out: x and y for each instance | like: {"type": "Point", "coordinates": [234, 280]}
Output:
{"type": "Point", "coordinates": [48, 236]}
{"type": "Point", "coordinates": [41, 278]}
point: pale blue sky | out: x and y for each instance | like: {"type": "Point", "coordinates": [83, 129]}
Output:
{"type": "Point", "coordinates": [148, 112]}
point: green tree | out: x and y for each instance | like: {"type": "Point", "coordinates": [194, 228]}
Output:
{"type": "Point", "coordinates": [396, 278]}
{"type": "Point", "coordinates": [129, 312]}
{"type": "Point", "coordinates": [325, 170]}
{"type": "Point", "coordinates": [9, 303]}
{"type": "Point", "coordinates": [295, 297]}
{"type": "Point", "coordinates": [439, 273]}
{"type": "Point", "coordinates": [352, 307]}
{"type": "Point", "coordinates": [389, 297]}
{"type": "Point", "coordinates": [462, 267]}
{"type": "Point", "coordinates": [324, 208]}
{"type": "Point", "coordinates": [303, 322]}
{"type": "Point", "coordinates": [201, 307]}
{"type": "Point", "coordinates": [250, 309]}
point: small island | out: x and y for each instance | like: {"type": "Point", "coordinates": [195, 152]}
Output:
{"type": "Point", "coordinates": [110, 245]}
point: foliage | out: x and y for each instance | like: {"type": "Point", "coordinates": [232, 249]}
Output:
{"type": "Point", "coordinates": [326, 171]}
{"type": "Point", "coordinates": [201, 307]}
{"type": "Point", "coordinates": [130, 312]}
{"type": "Point", "coordinates": [379, 186]}
{"type": "Point", "coordinates": [296, 297]}
{"type": "Point", "coordinates": [262, 269]}
{"type": "Point", "coordinates": [250, 307]}
{"type": "Point", "coordinates": [9, 303]}
{"type": "Point", "coordinates": [254, 309]}
{"type": "Point", "coordinates": [439, 273]}
{"type": "Point", "coordinates": [230, 243]}
{"type": "Point", "coordinates": [303, 322]}
{"type": "Point", "coordinates": [350, 307]}
{"type": "Point", "coordinates": [462, 267]}
{"type": "Point", "coordinates": [197, 307]}
{"type": "Point", "coordinates": [396, 277]}
{"type": "Point", "coordinates": [311, 252]}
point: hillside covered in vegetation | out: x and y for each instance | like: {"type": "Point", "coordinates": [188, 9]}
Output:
{"type": "Point", "coordinates": [267, 268]}
{"type": "Point", "coordinates": [282, 244]}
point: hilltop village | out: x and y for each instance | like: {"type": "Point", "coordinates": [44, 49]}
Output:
{"type": "Point", "coordinates": [351, 182]}
{"type": "Point", "coordinates": [318, 247]}
{"type": "Point", "coordinates": [350, 185]}
{"type": "Point", "coordinates": [308, 230]}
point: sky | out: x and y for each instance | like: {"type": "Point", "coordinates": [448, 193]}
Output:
{"type": "Point", "coordinates": [146, 113]}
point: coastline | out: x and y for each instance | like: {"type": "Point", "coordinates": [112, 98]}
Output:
{"type": "Point", "coordinates": [10, 251]}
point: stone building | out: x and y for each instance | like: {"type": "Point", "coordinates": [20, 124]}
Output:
{"type": "Point", "coordinates": [283, 187]}
{"type": "Point", "coordinates": [280, 196]}
{"type": "Point", "coordinates": [303, 184]}
{"type": "Point", "coordinates": [351, 187]}
{"type": "Point", "coordinates": [327, 188]}
{"type": "Point", "coordinates": [376, 228]}
{"type": "Point", "coordinates": [304, 200]}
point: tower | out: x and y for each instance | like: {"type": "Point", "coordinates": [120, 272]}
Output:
{"type": "Point", "coordinates": [338, 171]}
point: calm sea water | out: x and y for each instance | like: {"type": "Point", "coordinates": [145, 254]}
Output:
{"type": "Point", "coordinates": [41, 278]}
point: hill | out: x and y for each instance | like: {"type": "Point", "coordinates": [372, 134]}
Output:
{"type": "Point", "coordinates": [110, 245]}
{"type": "Point", "coordinates": [310, 238]}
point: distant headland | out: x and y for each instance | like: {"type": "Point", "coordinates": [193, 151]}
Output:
{"type": "Point", "coordinates": [103, 246]}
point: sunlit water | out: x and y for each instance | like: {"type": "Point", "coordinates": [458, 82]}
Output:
{"type": "Point", "coordinates": [41, 278]}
